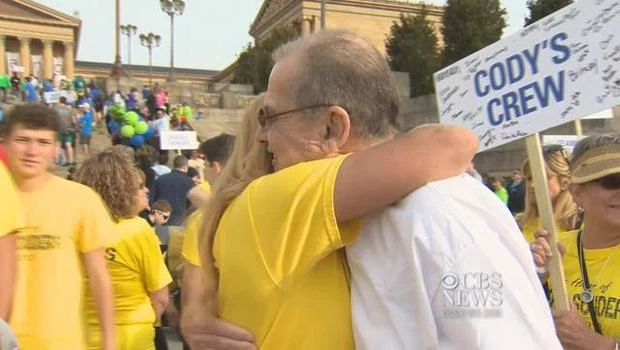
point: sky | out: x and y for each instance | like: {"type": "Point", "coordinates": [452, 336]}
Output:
{"type": "Point", "coordinates": [209, 35]}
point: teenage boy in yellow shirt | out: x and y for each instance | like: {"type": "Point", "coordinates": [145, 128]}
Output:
{"type": "Point", "coordinates": [66, 229]}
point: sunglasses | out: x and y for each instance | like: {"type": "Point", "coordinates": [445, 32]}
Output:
{"type": "Point", "coordinates": [609, 182]}
{"type": "Point", "coordinates": [164, 215]}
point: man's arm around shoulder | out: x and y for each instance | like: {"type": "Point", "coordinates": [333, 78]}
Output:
{"type": "Point", "coordinates": [389, 171]}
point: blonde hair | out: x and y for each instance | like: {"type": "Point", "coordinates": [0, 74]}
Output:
{"type": "Point", "coordinates": [249, 160]}
{"type": "Point", "coordinates": [565, 210]}
{"type": "Point", "coordinates": [112, 174]}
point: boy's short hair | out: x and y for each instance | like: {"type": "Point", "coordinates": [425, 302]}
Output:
{"type": "Point", "coordinates": [179, 162]}
{"type": "Point", "coordinates": [161, 205]}
{"type": "Point", "coordinates": [218, 149]}
{"type": "Point", "coordinates": [31, 116]}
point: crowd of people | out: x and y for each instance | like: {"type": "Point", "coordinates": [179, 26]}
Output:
{"type": "Point", "coordinates": [321, 225]}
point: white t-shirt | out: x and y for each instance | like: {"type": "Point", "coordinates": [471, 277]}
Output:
{"type": "Point", "coordinates": [447, 268]}
{"type": "Point", "coordinates": [161, 124]}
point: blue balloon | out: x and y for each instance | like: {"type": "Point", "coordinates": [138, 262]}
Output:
{"type": "Point", "coordinates": [136, 141]}
{"type": "Point", "coordinates": [149, 133]}
{"type": "Point", "coordinates": [114, 126]}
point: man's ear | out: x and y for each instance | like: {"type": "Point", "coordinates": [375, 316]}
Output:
{"type": "Point", "coordinates": [338, 128]}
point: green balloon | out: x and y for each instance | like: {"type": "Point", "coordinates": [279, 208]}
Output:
{"type": "Point", "coordinates": [127, 131]}
{"type": "Point", "coordinates": [118, 112]}
{"type": "Point", "coordinates": [141, 127]}
{"type": "Point", "coordinates": [132, 118]}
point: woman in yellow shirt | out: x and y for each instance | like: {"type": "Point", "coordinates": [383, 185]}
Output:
{"type": "Point", "coordinates": [592, 255]}
{"type": "Point", "coordinates": [139, 276]}
{"type": "Point", "coordinates": [558, 180]}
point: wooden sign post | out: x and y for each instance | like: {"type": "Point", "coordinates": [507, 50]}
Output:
{"type": "Point", "coordinates": [545, 212]}
{"type": "Point", "coordinates": [578, 128]}
{"type": "Point", "coordinates": [552, 72]}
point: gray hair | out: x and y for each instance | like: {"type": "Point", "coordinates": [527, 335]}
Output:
{"type": "Point", "coordinates": [341, 68]}
{"type": "Point", "coordinates": [592, 142]}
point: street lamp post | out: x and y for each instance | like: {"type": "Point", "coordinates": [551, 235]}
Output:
{"type": "Point", "coordinates": [117, 71]}
{"type": "Point", "coordinates": [150, 41]}
{"type": "Point", "coordinates": [129, 30]}
{"type": "Point", "coordinates": [322, 14]}
{"type": "Point", "coordinates": [172, 8]}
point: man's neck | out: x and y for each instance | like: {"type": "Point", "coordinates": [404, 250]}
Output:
{"type": "Point", "coordinates": [34, 183]}
{"type": "Point", "coordinates": [355, 144]}
{"type": "Point", "coordinates": [598, 234]}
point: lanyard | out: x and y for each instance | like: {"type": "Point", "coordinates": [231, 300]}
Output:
{"type": "Point", "coordinates": [586, 295]}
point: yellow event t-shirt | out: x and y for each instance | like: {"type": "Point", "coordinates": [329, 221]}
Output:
{"type": "Point", "coordinates": [136, 268]}
{"type": "Point", "coordinates": [11, 215]}
{"type": "Point", "coordinates": [283, 275]}
{"type": "Point", "coordinates": [604, 278]}
{"type": "Point", "coordinates": [64, 220]}
{"type": "Point", "coordinates": [529, 230]}
{"type": "Point", "coordinates": [190, 240]}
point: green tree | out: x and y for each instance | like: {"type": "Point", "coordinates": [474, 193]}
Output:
{"type": "Point", "coordinates": [244, 73]}
{"type": "Point", "coordinates": [470, 25]}
{"type": "Point", "coordinates": [255, 63]}
{"type": "Point", "coordinates": [541, 8]}
{"type": "Point", "coordinates": [411, 47]}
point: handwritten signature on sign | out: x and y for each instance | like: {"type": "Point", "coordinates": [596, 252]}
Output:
{"type": "Point", "coordinates": [606, 15]}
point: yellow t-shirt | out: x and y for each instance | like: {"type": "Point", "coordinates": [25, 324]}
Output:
{"type": "Point", "coordinates": [64, 220]}
{"type": "Point", "coordinates": [529, 230]}
{"type": "Point", "coordinates": [605, 283]}
{"type": "Point", "coordinates": [136, 268]}
{"type": "Point", "coordinates": [283, 275]}
{"type": "Point", "coordinates": [190, 240]}
{"type": "Point", "coordinates": [199, 165]}
{"type": "Point", "coordinates": [205, 186]}
{"type": "Point", "coordinates": [11, 215]}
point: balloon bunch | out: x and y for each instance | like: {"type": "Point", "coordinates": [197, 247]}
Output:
{"type": "Point", "coordinates": [130, 125]}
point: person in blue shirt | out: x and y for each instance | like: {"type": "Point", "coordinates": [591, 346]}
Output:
{"type": "Point", "coordinates": [31, 91]}
{"type": "Point", "coordinates": [86, 128]}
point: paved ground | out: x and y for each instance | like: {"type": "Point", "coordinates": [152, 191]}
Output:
{"type": "Point", "coordinates": [173, 339]}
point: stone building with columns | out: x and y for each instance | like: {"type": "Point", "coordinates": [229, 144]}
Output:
{"type": "Point", "coordinates": [37, 39]}
{"type": "Point", "coordinates": [371, 19]}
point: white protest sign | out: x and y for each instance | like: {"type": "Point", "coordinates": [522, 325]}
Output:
{"type": "Point", "coordinates": [558, 69]}
{"type": "Point", "coordinates": [17, 69]}
{"type": "Point", "coordinates": [54, 96]}
{"type": "Point", "coordinates": [605, 114]}
{"type": "Point", "coordinates": [173, 140]}
{"type": "Point", "coordinates": [566, 141]}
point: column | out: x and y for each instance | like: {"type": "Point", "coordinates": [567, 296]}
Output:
{"type": "Point", "coordinates": [68, 59]}
{"type": "Point", "coordinates": [48, 59]}
{"type": "Point", "coordinates": [24, 56]}
{"type": "Point", "coordinates": [305, 26]}
{"type": "Point", "coordinates": [3, 67]}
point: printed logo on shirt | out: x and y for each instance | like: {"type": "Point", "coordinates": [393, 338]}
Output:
{"type": "Point", "coordinates": [38, 242]}
{"type": "Point", "coordinates": [110, 254]}
{"type": "Point", "coordinates": [472, 295]}
{"type": "Point", "coordinates": [605, 305]}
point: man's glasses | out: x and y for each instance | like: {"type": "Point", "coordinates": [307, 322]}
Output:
{"type": "Point", "coordinates": [264, 118]}
{"type": "Point", "coordinates": [609, 182]}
